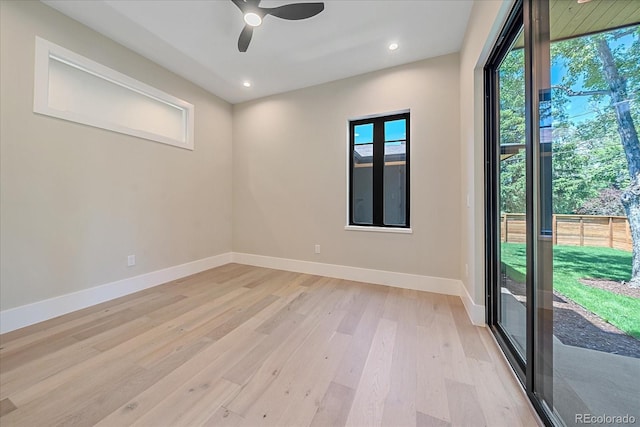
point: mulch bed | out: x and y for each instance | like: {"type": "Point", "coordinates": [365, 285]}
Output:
{"type": "Point", "coordinates": [574, 325]}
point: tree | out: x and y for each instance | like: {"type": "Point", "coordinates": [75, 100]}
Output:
{"type": "Point", "coordinates": [599, 138]}
{"type": "Point", "coordinates": [513, 184]}
{"type": "Point", "coordinates": [572, 180]}
{"type": "Point", "coordinates": [605, 68]}
{"type": "Point", "coordinates": [607, 202]}
{"type": "Point", "coordinates": [512, 133]}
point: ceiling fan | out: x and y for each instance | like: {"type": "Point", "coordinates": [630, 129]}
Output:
{"type": "Point", "coordinates": [253, 15]}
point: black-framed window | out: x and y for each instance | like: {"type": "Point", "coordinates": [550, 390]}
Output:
{"type": "Point", "coordinates": [379, 171]}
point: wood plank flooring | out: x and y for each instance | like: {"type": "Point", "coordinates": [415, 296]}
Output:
{"type": "Point", "coordinates": [247, 346]}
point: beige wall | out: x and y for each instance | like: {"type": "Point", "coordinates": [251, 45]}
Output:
{"type": "Point", "coordinates": [290, 171]}
{"type": "Point", "coordinates": [484, 24]}
{"type": "Point", "coordinates": [76, 200]}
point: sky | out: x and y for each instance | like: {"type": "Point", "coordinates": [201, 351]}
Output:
{"type": "Point", "coordinates": [394, 130]}
{"type": "Point", "coordinates": [578, 107]}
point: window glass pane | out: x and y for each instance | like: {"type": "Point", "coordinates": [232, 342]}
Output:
{"type": "Point", "coordinates": [363, 134]}
{"type": "Point", "coordinates": [395, 130]}
{"type": "Point", "coordinates": [395, 180]}
{"type": "Point", "coordinates": [364, 153]}
{"type": "Point", "coordinates": [362, 185]}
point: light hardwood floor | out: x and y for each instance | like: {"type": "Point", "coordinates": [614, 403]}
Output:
{"type": "Point", "coordinates": [247, 346]}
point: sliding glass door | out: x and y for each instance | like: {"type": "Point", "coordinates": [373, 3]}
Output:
{"type": "Point", "coordinates": [510, 201]}
{"type": "Point", "coordinates": [563, 206]}
{"type": "Point", "coordinates": [592, 74]}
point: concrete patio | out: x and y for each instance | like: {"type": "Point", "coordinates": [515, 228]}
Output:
{"type": "Point", "coordinates": [585, 381]}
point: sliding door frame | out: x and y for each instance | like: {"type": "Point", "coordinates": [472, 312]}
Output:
{"type": "Point", "coordinates": [539, 378]}
{"type": "Point", "coordinates": [534, 373]}
{"type": "Point", "coordinates": [510, 32]}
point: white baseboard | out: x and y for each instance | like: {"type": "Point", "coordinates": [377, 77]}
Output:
{"type": "Point", "coordinates": [379, 277]}
{"type": "Point", "coordinates": [476, 312]}
{"type": "Point", "coordinates": [29, 314]}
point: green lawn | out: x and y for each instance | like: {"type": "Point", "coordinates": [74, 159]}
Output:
{"type": "Point", "coordinates": [571, 263]}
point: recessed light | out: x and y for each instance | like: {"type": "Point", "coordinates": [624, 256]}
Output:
{"type": "Point", "coordinates": [246, 84]}
{"type": "Point", "coordinates": [393, 46]}
{"type": "Point", "coordinates": [252, 19]}
{"type": "Point", "coordinates": [583, 1]}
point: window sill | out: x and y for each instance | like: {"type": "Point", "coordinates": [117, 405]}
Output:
{"type": "Point", "coordinates": [379, 229]}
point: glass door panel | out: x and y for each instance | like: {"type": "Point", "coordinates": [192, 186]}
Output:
{"type": "Point", "coordinates": [588, 349]}
{"type": "Point", "coordinates": [563, 206]}
{"type": "Point", "coordinates": [512, 202]}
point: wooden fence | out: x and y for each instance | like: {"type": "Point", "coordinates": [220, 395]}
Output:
{"type": "Point", "coordinates": [574, 230]}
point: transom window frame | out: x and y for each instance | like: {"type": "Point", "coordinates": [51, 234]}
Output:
{"type": "Point", "coordinates": [380, 119]}
{"type": "Point", "coordinates": [48, 53]}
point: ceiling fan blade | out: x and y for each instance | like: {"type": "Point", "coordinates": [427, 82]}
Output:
{"type": "Point", "coordinates": [243, 5]}
{"type": "Point", "coordinates": [245, 38]}
{"type": "Point", "coordinates": [240, 4]}
{"type": "Point", "coordinates": [295, 11]}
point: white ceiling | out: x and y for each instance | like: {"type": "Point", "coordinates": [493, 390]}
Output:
{"type": "Point", "coordinates": [197, 39]}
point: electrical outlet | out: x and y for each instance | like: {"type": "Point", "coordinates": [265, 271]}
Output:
{"type": "Point", "coordinates": [466, 270]}
{"type": "Point", "coordinates": [317, 249]}
{"type": "Point", "coordinates": [131, 260]}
